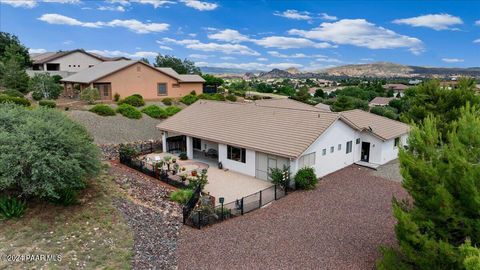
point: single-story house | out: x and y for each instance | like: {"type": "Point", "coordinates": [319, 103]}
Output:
{"type": "Point", "coordinates": [251, 138]}
{"type": "Point", "coordinates": [323, 107]}
{"type": "Point", "coordinates": [397, 88]}
{"type": "Point", "coordinates": [380, 101]}
{"type": "Point", "coordinates": [128, 77]}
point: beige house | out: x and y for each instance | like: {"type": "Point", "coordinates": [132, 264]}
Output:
{"type": "Point", "coordinates": [128, 77]}
{"type": "Point", "coordinates": [380, 101]}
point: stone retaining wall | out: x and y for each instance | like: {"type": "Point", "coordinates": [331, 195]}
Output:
{"type": "Point", "coordinates": [111, 151]}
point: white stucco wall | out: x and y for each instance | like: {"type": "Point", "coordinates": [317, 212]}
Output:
{"type": "Point", "coordinates": [247, 168]}
{"type": "Point", "coordinates": [376, 147]}
{"type": "Point", "coordinates": [337, 133]}
{"type": "Point", "coordinates": [205, 145]}
{"type": "Point", "coordinates": [389, 151]}
{"type": "Point", "coordinates": [80, 60]}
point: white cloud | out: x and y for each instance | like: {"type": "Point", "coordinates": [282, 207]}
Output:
{"type": "Point", "coordinates": [227, 58]}
{"type": "Point", "coordinates": [477, 23]}
{"type": "Point", "coordinates": [434, 21]}
{"type": "Point", "coordinates": [68, 42]}
{"type": "Point", "coordinates": [37, 51]}
{"type": "Point", "coordinates": [289, 43]}
{"type": "Point", "coordinates": [200, 5]}
{"type": "Point", "coordinates": [132, 25]}
{"type": "Point", "coordinates": [452, 60]}
{"type": "Point", "coordinates": [327, 17]}
{"type": "Point", "coordinates": [212, 47]}
{"type": "Point", "coordinates": [109, 8]}
{"type": "Point", "coordinates": [251, 65]}
{"type": "Point", "coordinates": [163, 47]}
{"type": "Point", "coordinates": [294, 14]}
{"type": "Point", "coordinates": [154, 3]}
{"type": "Point", "coordinates": [136, 55]}
{"type": "Point", "coordinates": [361, 33]}
{"type": "Point", "coordinates": [33, 3]}
{"type": "Point", "coordinates": [262, 59]}
{"type": "Point", "coordinates": [477, 40]}
{"type": "Point", "coordinates": [280, 55]}
{"type": "Point", "coordinates": [229, 35]}
{"type": "Point", "coordinates": [199, 56]}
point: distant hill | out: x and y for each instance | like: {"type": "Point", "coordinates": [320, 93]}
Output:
{"type": "Point", "coordinates": [218, 70]}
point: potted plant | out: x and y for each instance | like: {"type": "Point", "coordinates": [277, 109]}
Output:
{"type": "Point", "coordinates": [194, 173]}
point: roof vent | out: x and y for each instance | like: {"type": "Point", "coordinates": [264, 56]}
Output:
{"type": "Point", "coordinates": [370, 128]}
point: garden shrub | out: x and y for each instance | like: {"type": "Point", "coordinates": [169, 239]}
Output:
{"type": "Point", "coordinates": [116, 97]}
{"type": "Point", "coordinates": [57, 78]}
{"type": "Point", "coordinates": [44, 152]}
{"type": "Point", "coordinates": [279, 176]}
{"type": "Point", "coordinates": [183, 156]}
{"type": "Point", "coordinates": [44, 86]}
{"type": "Point", "coordinates": [11, 207]}
{"type": "Point", "coordinates": [127, 151]}
{"type": "Point", "coordinates": [167, 101]}
{"type": "Point", "coordinates": [216, 96]}
{"type": "Point", "coordinates": [306, 178]}
{"type": "Point", "coordinates": [172, 110]}
{"type": "Point", "coordinates": [13, 93]}
{"type": "Point", "coordinates": [66, 197]}
{"type": "Point", "coordinates": [129, 111]}
{"type": "Point", "coordinates": [90, 95]}
{"type": "Point", "coordinates": [103, 110]}
{"type": "Point", "coordinates": [155, 112]}
{"type": "Point", "coordinates": [189, 99]}
{"type": "Point", "coordinates": [135, 100]}
{"type": "Point", "coordinates": [47, 103]}
{"type": "Point", "coordinates": [16, 100]}
{"type": "Point", "coordinates": [231, 98]}
{"type": "Point", "coordinates": [181, 196]}
{"type": "Point", "coordinates": [193, 93]}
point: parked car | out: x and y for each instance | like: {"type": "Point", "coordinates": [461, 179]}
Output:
{"type": "Point", "coordinates": [211, 153]}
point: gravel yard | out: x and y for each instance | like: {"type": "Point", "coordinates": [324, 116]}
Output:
{"type": "Point", "coordinates": [117, 129]}
{"type": "Point", "coordinates": [339, 225]}
{"type": "Point", "coordinates": [390, 171]}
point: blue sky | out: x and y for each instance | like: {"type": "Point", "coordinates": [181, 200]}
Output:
{"type": "Point", "coordinates": [309, 35]}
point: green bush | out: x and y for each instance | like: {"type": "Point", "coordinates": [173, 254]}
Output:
{"type": "Point", "coordinates": [129, 111]}
{"type": "Point", "coordinates": [44, 86]}
{"type": "Point", "coordinates": [13, 93]}
{"type": "Point", "coordinates": [16, 100]}
{"type": "Point", "coordinates": [90, 95]}
{"type": "Point", "coordinates": [306, 178]}
{"type": "Point", "coordinates": [103, 110]}
{"type": "Point", "coordinates": [116, 97]}
{"type": "Point", "coordinates": [193, 93]}
{"type": "Point", "coordinates": [11, 207]}
{"type": "Point", "coordinates": [231, 98]}
{"type": "Point", "coordinates": [47, 103]}
{"type": "Point", "coordinates": [167, 101]}
{"type": "Point", "coordinates": [135, 100]}
{"type": "Point", "coordinates": [155, 112]}
{"type": "Point", "coordinates": [183, 156]}
{"type": "Point", "coordinates": [127, 151]}
{"type": "Point", "coordinates": [280, 177]}
{"type": "Point", "coordinates": [43, 152]}
{"type": "Point", "coordinates": [189, 99]}
{"type": "Point", "coordinates": [172, 110]}
{"type": "Point", "coordinates": [181, 196]}
{"type": "Point", "coordinates": [216, 96]}
{"type": "Point", "coordinates": [57, 78]}
{"type": "Point", "coordinates": [66, 197]}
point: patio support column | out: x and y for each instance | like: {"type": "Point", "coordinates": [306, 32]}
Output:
{"type": "Point", "coordinates": [164, 141]}
{"type": "Point", "coordinates": [189, 147]}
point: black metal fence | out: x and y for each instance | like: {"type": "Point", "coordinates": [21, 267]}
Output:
{"type": "Point", "coordinates": [205, 214]}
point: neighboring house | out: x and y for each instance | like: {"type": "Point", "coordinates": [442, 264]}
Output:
{"type": "Point", "coordinates": [252, 138]}
{"type": "Point", "coordinates": [380, 101]}
{"type": "Point", "coordinates": [65, 63]}
{"type": "Point", "coordinates": [127, 77]}
{"type": "Point", "coordinates": [397, 88]}
{"type": "Point", "coordinates": [323, 107]}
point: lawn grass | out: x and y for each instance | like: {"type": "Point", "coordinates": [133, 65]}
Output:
{"type": "Point", "coordinates": [90, 235]}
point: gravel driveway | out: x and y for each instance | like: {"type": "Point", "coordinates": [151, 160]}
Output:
{"type": "Point", "coordinates": [117, 129]}
{"type": "Point", "coordinates": [339, 225]}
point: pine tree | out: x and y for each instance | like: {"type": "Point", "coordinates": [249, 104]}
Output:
{"type": "Point", "coordinates": [442, 177]}
{"type": "Point", "coordinates": [12, 73]}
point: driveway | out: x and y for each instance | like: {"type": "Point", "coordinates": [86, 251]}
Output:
{"type": "Point", "coordinates": [339, 225]}
{"type": "Point", "coordinates": [232, 185]}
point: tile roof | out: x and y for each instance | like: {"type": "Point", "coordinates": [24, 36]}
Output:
{"type": "Point", "coordinates": [50, 56]}
{"type": "Point", "coordinates": [181, 77]}
{"type": "Point", "coordinates": [285, 103]}
{"type": "Point", "coordinates": [380, 101]}
{"type": "Point", "coordinates": [383, 127]}
{"type": "Point", "coordinates": [323, 107]}
{"type": "Point", "coordinates": [274, 130]}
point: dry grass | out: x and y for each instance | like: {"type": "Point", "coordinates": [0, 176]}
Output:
{"type": "Point", "coordinates": [90, 235]}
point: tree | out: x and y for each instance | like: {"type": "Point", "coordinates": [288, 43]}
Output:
{"type": "Point", "coordinates": [145, 60]}
{"type": "Point", "coordinates": [44, 87]}
{"type": "Point", "coordinates": [12, 72]}
{"type": "Point", "coordinates": [302, 95]}
{"type": "Point", "coordinates": [44, 153]}
{"type": "Point", "coordinates": [212, 80]}
{"type": "Point", "coordinates": [442, 176]}
{"type": "Point", "coordinates": [6, 40]}
{"type": "Point", "coordinates": [319, 93]}
{"type": "Point", "coordinates": [90, 95]}
{"type": "Point", "coordinates": [181, 67]}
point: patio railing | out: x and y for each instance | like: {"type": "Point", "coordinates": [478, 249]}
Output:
{"type": "Point", "coordinates": [204, 215]}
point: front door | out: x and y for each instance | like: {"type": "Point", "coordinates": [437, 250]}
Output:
{"type": "Point", "coordinates": [365, 152]}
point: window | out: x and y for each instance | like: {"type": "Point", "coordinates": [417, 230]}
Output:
{"type": "Point", "coordinates": [332, 149]}
{"type": "Point", "coordinates": [306, 160]}
{"type": "Point", "coordinates": [339, 147]}
{"type": "Point", "coordinates": [324, 151]}
{"type": "Point", "coordinates": [90, 66]}
{"type": "Point", "coordinates": [349, 147]}
{"type": "Point", "coordinates": [236, 154]}
{"type": "Point", "coordinates": [357, 141]}
{"type": "Point", "coordinates": [397, 142]}
{"type": "Point", "coordinates": [162, 89]}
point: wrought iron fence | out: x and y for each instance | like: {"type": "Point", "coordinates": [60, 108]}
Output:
{"type": "Point", "coordinates": [205, 214]}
